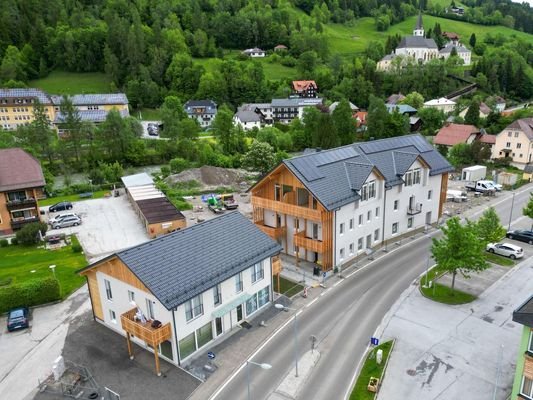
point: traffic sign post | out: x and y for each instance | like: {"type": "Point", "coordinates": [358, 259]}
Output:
{"type": "Point", "coordinates": [374, 341]}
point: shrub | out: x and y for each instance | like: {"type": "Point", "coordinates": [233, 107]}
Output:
{"type": "Point", "coordinates": [4, 243]}
{"type": "Point", "coordinates": [5, 281]}
{"type": "Point", "coordinates": [178, 164]}
{"type": "Point", "coordinates": [29, 234]}
{"type": "Point", "coordinates": [76, 248]}
{"type": "Point", "coordinates": [14, 241]}
{"type": "Point", "coordinates": [29, 293]}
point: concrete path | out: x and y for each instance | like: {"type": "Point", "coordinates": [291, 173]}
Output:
{"type": "Point", "coordinates": [27, 355]}
{"type": "Point", "coordinates": [451, 352]}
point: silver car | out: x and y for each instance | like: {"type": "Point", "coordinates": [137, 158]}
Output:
{"type": "Point", "coordinates": [66, 222]}
{"type": "Point", "coordinates": [506, 249]}
{"type": "Point", "coordinates": [60, 217]}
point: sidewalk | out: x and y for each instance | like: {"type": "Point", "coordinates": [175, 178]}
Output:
{"type": "Point", "coordinates": [451, 352]}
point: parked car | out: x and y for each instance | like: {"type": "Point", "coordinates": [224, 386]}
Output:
{"type": "Point", "coordinates": [17, 319]}
{"type": "Point", "coordinates": [59, 217]}
{"type": "Point", "coordinates": [66, 222]}
{"type": "Point", "coordinates": [521, 235]}
{"type": "Point", "coordinates": [62, 206]}
{"type": "Point", "coordinates": [497, 186]}
{"type": "Point", "coordinates": [506, 249]}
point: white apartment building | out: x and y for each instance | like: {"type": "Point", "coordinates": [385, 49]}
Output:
{"type": "Point", "coordinates": [195, 283]}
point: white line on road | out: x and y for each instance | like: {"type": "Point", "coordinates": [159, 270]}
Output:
{"type": "Point", "coordinates": [311, 303]}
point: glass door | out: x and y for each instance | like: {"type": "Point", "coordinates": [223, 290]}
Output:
{"type": "Point", "coordinates": [218, 326]}
{"type": "Point", "coordinates": [239, 313]}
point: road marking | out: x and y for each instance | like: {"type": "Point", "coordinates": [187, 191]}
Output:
{"type": "Point", "coordinates": [311, 303]}
{"type": "Point", "coordinates": [337, 284]}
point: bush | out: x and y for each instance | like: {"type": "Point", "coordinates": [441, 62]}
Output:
{"type": "Point", "coordinates": [76, 248]}
{"type": "Point", "coordinates": [178, 164]}
{"type": "Point", "coordinates": [29, 293]}
{"type": "Point", "coordinates": [4, 243]}
{"type": "Point", "coordinates": [14, 241]}
{"type": "Point", "coordinates": [29, 234]}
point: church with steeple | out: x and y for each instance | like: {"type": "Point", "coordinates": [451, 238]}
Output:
{"type": "Point", "coordinates": [421, 49]}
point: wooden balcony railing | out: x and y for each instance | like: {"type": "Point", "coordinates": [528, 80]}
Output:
{"type": "Point", "coordinates": [18, 223]}
{"type": "Point", "coordinates": [288, 209]}
{"type": "Point", "coordinates": [274, 233]}
{"type": "Point", "coordinates": [145, 332]}
{"type": "Point", "coordinates": [18, 204]}
{"type": "Point", "coordinates": [310, 244]}
{"type": "Point", "coordinates": [276, 265]}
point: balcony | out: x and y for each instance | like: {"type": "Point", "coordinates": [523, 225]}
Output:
{"type": "Point", "coordinates": [19, 223]}
{"type": "Point", "coordinates": [18, 204]}
{"type": "Point", "coordinates": [286, 208]}
{"type": "Point", "coordinates": [145, 332]}
{"type": "Point", "coordinates": [307, 243]}
{"type": "Point", "coordinates": [414, 209]}
{"type": "Point", "coordinates": [274, 233]}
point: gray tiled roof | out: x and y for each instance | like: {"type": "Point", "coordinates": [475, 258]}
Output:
{"type": "Point", "coordinates": [178, 266]}
{"type": "Point", "coordinates": [93, 99]}
{"type": "Point", "coordinates": [90, 115]}
{"type": "Point", "coordinates": [417, 41]}
{"type": "Point", "coordinates": [25, 93]}
{"type": "Point", "coordinates": [248, 116]}
{"type": "Point", "coordinates": [296, 102]}
{"type": "Point", "coordinates": [402, 108]}
{"type": "Point", "coordinates": [334, 176]}
{"type": "Point", "coordinates": [449, 47]}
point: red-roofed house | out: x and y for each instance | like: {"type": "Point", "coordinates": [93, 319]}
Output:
{"type": "Point", "coordinates": [21, 184]}
{"type": "Point", "coordinates": [452, 134]}
{"type": "Point", "coordinates": [360, 116]}
{"type": "Point", "coordinates": [305, 88]}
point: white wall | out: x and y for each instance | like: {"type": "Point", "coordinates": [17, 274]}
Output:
{"type": "Point", "coordinates": [120, 304]}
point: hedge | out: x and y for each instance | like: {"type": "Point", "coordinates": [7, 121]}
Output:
{"type": "Point", "coordinates": [29, 293]}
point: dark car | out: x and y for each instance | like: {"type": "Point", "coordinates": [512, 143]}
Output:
{"type": "Point", "coordinates": [62, 206]}
{"type": "Point", "coordinates": [17, 319]}
{"type": "Point", "coordinates": [523, 236]}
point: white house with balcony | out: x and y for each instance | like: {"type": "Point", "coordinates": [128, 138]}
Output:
{"type": "Point", "coordinates": [179, 294]}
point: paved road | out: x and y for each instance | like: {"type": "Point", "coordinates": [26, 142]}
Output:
{"type": "Point", "coordinates": [344, 319]}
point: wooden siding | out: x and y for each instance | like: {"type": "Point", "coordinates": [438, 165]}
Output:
{"type": "Point", "coordinates": [155, 230]}
{"type": "Point", "coordinates": [274, 233]}
{"type": "Point", "coordinates": [284, 208]}
{"type": "Point", "coordinates": [443, 189]}
{"type": "Point", "coordinates": [152, 336]}
{"type": "Point", "coordinates": [528, 366]}
{"type": "Point", "coordinates": [307, 243]}
{"type": "Point", "coordinates": [95, 294]}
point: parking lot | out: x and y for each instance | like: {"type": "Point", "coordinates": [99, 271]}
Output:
{"type": "Point", "coordinates": [108, 225]}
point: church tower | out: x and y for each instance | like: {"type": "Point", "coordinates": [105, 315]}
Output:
{"type": "Point", "coordinates": [419, 29]}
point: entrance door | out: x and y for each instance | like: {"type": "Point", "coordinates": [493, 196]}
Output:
{"type": "Point", "coordinates": [218, 326]}
{"type": "Point", "coordinates": [239, 313]}
{"type": "Point", "coordinates": [165, 349]}
{"type": "Point", "coordinates": [428, 218]}
{"type": "Point", "coordinates": [369, 241]}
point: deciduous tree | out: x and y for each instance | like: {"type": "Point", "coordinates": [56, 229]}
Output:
{"type": "Point", "coordinates": [260, 157]}
{"type": "Point", "coordinates": [488, 227]}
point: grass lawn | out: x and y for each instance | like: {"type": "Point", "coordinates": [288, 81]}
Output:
{"type": "Point", "coordinates": [496, 259]}
{"type": "Point", "coordinates": [273, 71]}
{"type": "Point", "coordinates": [288, 288]}
{"type": "Point", "coordinates": [442, 293]}
{"type": "Point", "coordinates": [147, 114]}
{"type": "Point", "coordinates": [59, 82]}
{"type": "Point", "coordinates": [17, 262]}
{"type": "Point", "coordinates": [71, 197]}
{"type": "Point", "coordinates": [369, 370]}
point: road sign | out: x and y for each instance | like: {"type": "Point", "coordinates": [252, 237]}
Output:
{"type": "Point", "coordinates": [374, 341]}
{"type": "Point", "coordinates": [211, 355]}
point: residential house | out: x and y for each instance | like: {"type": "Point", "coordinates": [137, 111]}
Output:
{"type": "Point", "coordinates": [462, 52]}
{"type": "Point", "coordinates": [499, 104]}
{"type": "Point", "coordinates": [256, 52]}
{"type": "Point", "coordinates": [21, 184]}
{"type": "Point", "coordinates": [395, 98]}
{"type": "Point", "coordinates": [457, 10]}
{"type": "Point", "coordinates": [17, 107]}
{"type": "Point", "coordinates": [285, 110]}
{"type": "Point", "coordinates": [305, 89]}
{"type": "Point", "coordinates": [516, 141]}
{"type": "Point", "coordinates": [204, 111]}
{"type": "Point", "coordinates": [158, 215]}
{"type": "Point", "coordinates": [181, 293]}
{"type": "Point", "coordinates": [484, 111]}
{"type": "Point", "coordinates": [523, 379]}
{"type": "Point", "coordinates": [330, 206]}
{"type": "Point", "coordinates": [253, 115]}
{"type": "Point", "coordinates": [353, 107]}
{"type": "Point", "coordinates": [404, 109]}
{"type": "Point", "coordinates": [451, 134]}
{"type": "Point", "coordinates": [451, 36]}
{"type": "Point", "coordinates": [281, 47]}
{"type": "Point", "coordinates": [442, 104]}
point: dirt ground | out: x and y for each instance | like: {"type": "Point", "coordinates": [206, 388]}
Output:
{"type": "Point", "coordinates": [210, 178]}
{"type": "Point", "coordinates": [200, 212]}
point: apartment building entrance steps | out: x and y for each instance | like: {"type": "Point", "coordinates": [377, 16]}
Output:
{"type": "Point", "coordinates": [301, 272]}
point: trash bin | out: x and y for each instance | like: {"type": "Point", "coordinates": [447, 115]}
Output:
{"type": "Point", "coordinates": [316, 271]}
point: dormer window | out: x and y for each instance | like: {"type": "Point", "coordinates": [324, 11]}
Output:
{"type": "Point", "coordinates": [412, 177]}
{"type": "Point", "coordinates": [368, 191]}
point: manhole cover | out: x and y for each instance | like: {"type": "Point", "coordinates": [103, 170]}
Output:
{"type": "Point", "coordinates": [411, 372]}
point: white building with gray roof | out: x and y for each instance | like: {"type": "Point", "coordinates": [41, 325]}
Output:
{"type": "Point", "coordinates": [183, 292]}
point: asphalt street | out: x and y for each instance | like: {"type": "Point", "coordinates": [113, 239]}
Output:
{"type": "Point", "coordinates": [345, 317]}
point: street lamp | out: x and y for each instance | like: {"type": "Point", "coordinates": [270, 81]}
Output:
{"type": "Point", "coordinates": [262, 365]}
{"type": "Point", "coordinates": [284, 308]}
{"type": "Point", "coordinates": [511, 214]}
{"type": "Point", "coordinates": [53, 268]}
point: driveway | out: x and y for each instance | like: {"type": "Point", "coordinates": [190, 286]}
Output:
{"type": "Point", "coordinates": [108, 225]}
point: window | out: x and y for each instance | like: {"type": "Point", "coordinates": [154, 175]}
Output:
{"type": "Point", "coordinates": [508, 145]}
{"type": "Point", "coordinates": [238, 282]}
{"type": "Point", "coordinates": [277, 192]}
{"type": "Point", "coordinates": [257, 272]}
{"type": "Point", "coordinates": [509, 134]}
{"type": "Point", "coordinates": [376, 235]}
{"type": "Point", "coordinates": [410, 222]}
{"type": "Point", "coordinates": [108, 292]}
{"type": "Point", "coordinates": [251, 305]}
{"type": "Point", "coordinates": [150, 309]}
{"type": "Point", "coordinates": [341, 228]}
{"type": "Point", "coordinates": [527, 387]}
{"type": "Point", "coordinates": [194, 308]}
{"type": "Point", "coordinates": [204, 334]}
{"type": "Point", "coordinates": [187, 345]}
{"type": "Point", "coordinates": [351, 224]}
{"type": "Point", "coordinates": [520, 155]}
{"type": "Point", "coordinates": [368, 191]}
{"type": "Point", "coordinates": [341, 253]}
{"type": "Point", "coordinates": [408, 178]}
{"type": "Point", "coordinates": [530, 347]}
{"type": "Point", "coordinates": [519, 145]}
{"type": "Point", "coordinates": [368, 215]}
{"type": "Point", "coordinates": [360, 219]}
{"type": "Point", "coordinates": [217, 295]}
{"type": "Point", "coordinates": [351, 249]}
{"type": "Point", "coordinates": [360, 244]}
{"type": "Point", "coordinates": [516, 134]}
{"type": "Point", "coordinates": [263, 296]}
{"type": "Point", "coordinates": [395, 228]}
{"type": "Point", "coordinates": [112, 316]}
{"type": "Point", "coordinates": [416, 176]}
{"type": "Point", "coordinates": [131, 296]}
{"type": "Point", "coordinates": [430, 194]}
{"type": "Point", "coordinates": [377, 212]}
{"type": "Point", "coordinates": [396, 203]}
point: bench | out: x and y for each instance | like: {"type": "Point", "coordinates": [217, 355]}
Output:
{"type": "Point", "coordinates": [86, 195]}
